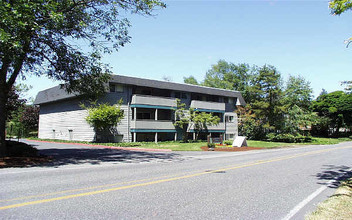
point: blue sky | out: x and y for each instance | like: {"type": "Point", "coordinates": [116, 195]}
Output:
{"type": "Point", "coordinates": [297, 37]}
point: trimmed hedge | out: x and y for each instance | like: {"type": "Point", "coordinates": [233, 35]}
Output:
{"type": "Point", "coordinates": [288, 138]}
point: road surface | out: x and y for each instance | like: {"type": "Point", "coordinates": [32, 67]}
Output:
{"type": "Point", "coordinates": [86, 183]}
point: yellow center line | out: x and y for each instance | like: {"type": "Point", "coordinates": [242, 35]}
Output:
{"type": "Point", "coordinates": [103, 186]}
{"type": "Point", "coordinates": [167, 179]}
{"type": "Point", "coordinates": [87, 188]}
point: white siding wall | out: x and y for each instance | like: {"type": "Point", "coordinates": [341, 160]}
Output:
{"type": "Point", "coordinates": [67, 115]}
{"type": "Point", "coordinates": [232, 127]}
{"type": "Point", "coordinates": [63, 120]}
{"type": "Point", "coordinates": [122, 127]}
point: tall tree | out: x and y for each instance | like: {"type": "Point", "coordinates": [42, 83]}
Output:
{"type": "Point", "coordinates": [337, 106]}
{"type": "Point", "coordinates": [14, 102]}
{"type": "Point", "coordinates": [41, 37]}
{"type": "Point", "coordinates": [30, 117]}
{"type": "Point", "coordinates": [231, 76]}
{"type": "Point", "coordinates": [267, 94]}
{"type": "Point", "coordinates": [190, 80]}
{"type": "Point", "coordinates": [183, 118]}
{"type": "Point", "coordinates": [297, 100]}
{"type": "Point", "coordinates": [298, 92]}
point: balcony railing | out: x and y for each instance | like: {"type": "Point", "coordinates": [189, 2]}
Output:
{"type": "Point", "coordinates": [219, 127]}
{"type": "Point", "coordinates": [153, 101]}
{"type": "Point", "coordinates": [152, 125]}
{"type": "Point", "coordinates": [208, 106]}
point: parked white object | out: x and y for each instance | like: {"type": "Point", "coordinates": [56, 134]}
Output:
{"type": "Point", "coordinates": [240, 141]}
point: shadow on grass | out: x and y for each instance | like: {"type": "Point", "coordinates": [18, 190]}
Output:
{"type": "Point", "coordinates": [332, 175]}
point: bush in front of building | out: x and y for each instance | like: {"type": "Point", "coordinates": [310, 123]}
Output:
{"type": "Point", "coordinates": [211, 145]}
{"type": "Point", "coordinates": [228, 142]}
{"type": "Point", "coordinates": [104, 118]}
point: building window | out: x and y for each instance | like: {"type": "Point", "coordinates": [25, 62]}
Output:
{"type": "Point", "coordinates": [116, 88]}
{"type": "Point", "coordinates": [165, 114]}
{"type": "Point", "coordinates": [212, 98]}
{"type": "Point", "coordinates": [180, 95]}
{"type": "Point", "coordinates": [196, 96]}
{"type": "Point", "coordinates": [229, 118]}
{"type": "Point", "coordinates": [145, 114]}
{"type": "Point", "coordinates": [229, 136]}
{"type": "Point", "coordinates": [226, 100]}
{"type": "Point", "coordinates": [70, 134]}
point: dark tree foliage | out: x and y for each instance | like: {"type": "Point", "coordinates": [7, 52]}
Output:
{"type": "Point", "coordinates": [230, 76]}
{"type": "Point", "coordinates": [30, 117]}
{"type": "Point", "coordinates": [267, 93]}
{"type": "Point", "coordinates": [14, 102]}
{"type": "Point", "coordinates": [190, 80]}
{"type": "Point", "coordinates": [297, 93]}
{"type": "Point", "coordinates": [337, 106]}
{"type": "Point", "coordinates": [44, 37]}
{"type": "Point", "coordinates": [271, 105]}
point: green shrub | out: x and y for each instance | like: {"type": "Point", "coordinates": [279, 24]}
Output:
{"type": "Point", "coordinates": [288, 138]}
{"type": "Point", "coordinates": [33, 134]}
{"type": "Point", "coordinates": [228, 142]}
{"type": "Point", "coordinates": [271, 136]}
{"type": "Point", "coordinates": [103, 116]}
{"type": "Point", "coordinates": [211, 145]}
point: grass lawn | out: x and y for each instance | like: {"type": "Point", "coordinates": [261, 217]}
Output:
{"type": "Point", "coordinates": [315, 141]}
{"type": "Point", "coordinates": [178, 146]}
{"type": "Point", "coordinates": [338, 206]}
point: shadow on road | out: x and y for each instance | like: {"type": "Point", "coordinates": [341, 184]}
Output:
{"type": "Point", "coordinates": [97, 156]}
{"type": "Point", "coordinates": [334, 173]}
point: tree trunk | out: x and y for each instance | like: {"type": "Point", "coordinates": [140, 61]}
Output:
{"type": "Point", "coordinates": [184, 134]}
{"type": "Point", "coordinates": [3, 150]}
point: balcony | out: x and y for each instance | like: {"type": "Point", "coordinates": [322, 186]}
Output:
{"type": "Point", "coordinates": [208, 106]}
{"type": "Point", "coordinates": [152, 125]}
{"type": "Point", "coordinates": [145, 101]}
{"type": "Point", "coordinates": [214, 128]}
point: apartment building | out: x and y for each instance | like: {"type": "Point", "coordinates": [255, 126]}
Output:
{"type": "Point", "coordinates": [148, 108]}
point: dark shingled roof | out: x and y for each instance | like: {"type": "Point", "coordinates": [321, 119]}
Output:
{"type": "Point", "coordinates": [56, 93]}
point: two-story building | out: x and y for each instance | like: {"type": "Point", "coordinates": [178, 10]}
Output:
{"type": "Point", "coordinates": [148, 108]}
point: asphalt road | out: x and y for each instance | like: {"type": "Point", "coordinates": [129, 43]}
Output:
{"type": "Point", "coordinates": [87, 183]}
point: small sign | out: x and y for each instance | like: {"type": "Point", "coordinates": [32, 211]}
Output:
{"type": "Point", "coordinates": [240, 141]}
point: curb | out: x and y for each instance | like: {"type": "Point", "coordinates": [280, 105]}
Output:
{"type": "Point", "coordinates": [107, 147]}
